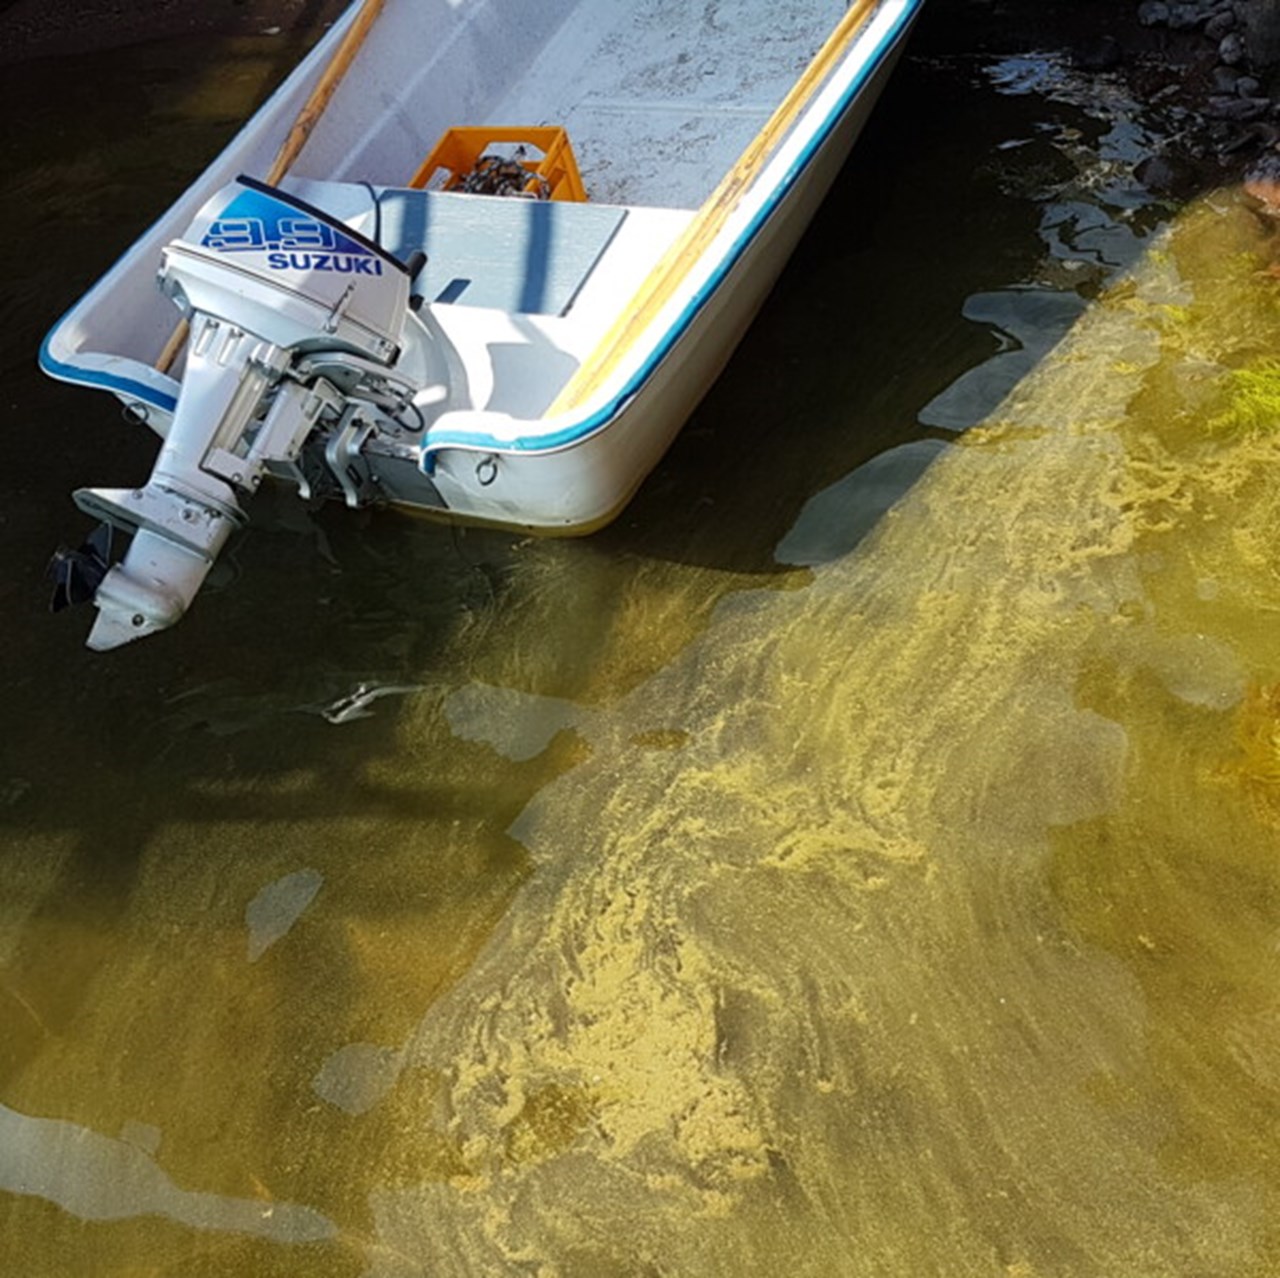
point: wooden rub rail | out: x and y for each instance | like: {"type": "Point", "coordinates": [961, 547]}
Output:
{"type": "Point", "coordinates": [662, 282]}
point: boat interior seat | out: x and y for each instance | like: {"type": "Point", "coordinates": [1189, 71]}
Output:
{"type": "Point", "coordinates": [516, 255]}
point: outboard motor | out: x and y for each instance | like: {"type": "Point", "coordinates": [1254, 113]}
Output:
{"type": "Point", "coordinates": [296, 324]}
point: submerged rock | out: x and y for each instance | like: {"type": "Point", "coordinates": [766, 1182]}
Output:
{"type": "Point", "coordinates": [1166, 175]}
{"type": "Point", "coordinates": [1262, 182]}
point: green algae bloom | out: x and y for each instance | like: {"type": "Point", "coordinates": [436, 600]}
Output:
{"type": "Point", "coordinates": [1253, 400]}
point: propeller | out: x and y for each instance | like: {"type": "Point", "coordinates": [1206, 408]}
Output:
{"type": "Point", "coordinates": [77, 574]}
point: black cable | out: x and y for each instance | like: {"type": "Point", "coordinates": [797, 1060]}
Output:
{"type": "Point", "coordinates": [422, 421]}
{"type": "Point", "coordinates": [377, 213]}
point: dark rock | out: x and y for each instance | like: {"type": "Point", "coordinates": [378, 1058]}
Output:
{"type": "Point", "coordinates": [1225, 80]}
{"type": "Point", "coordinates": [1261, 133]}
{"type": "Point", "coordinates": [1166, 175]}
{"type": "Point", "coordinates": [1260, 27]}
{"type": "Point", "coordinates": [1241, 109]}
{"type": "Point", "coordinates": [1220, 24]}
{"type": "Point", "coordinates": [1266, 168]}
{"type": "Point", "coordinates": [1102, 54]}
{"type": "Point", "coordinates": [1231, 50]}
{"type": "Point", "coordinates": [1153, 13]}
{"type": "Point", "coordinates": [1184, 17]}
{"type": "Point", "coordinates": [1248, 86]}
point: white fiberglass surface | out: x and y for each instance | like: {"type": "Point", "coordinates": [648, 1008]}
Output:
{"type": "Point", "coordinates": [661, 96]}
{"type": "Point", "coordinates": [517, 364]}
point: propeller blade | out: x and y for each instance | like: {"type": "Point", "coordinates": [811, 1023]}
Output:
{"type": "Point", "coordinates": [77, 574]}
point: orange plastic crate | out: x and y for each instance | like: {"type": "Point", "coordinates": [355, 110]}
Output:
{"type": "Point", "coordinates": [459, 150]}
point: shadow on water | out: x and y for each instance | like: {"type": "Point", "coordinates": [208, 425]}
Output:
{"type": "Point", "coordinates": [113, 769]}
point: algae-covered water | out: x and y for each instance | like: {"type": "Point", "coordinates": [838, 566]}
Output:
{"type": "Point", "coordinates": [783, 881]}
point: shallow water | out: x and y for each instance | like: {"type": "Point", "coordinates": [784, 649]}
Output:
{"type": "Point", "coordinates": [768, 884]}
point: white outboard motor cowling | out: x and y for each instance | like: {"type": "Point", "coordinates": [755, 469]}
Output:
{"type": "Point", "coordinates": [276, 293]}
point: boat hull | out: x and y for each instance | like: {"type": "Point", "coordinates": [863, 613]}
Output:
{"type": "Point", "coordinates": [578, 486]}
{"type": "Point", "coordinates": [572, 468]}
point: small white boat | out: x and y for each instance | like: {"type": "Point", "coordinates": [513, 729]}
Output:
{"type": "Point", "coordinates": [379, 321]}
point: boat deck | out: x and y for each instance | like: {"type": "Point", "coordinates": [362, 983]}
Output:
{"type": "Point", "coordinates": [659, 97]}
{"type": "Point", "coordinates": [524, 256]}
{"type": "Point", "coordinates": [521, 288]}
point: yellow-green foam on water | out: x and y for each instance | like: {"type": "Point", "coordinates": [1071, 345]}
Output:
{"type": "Point", "coordinates": [916, 920]}
{"type": "Point", "coordinates": [1254, 398]}
{"type": "Point", "coordinates": [859, 979]}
